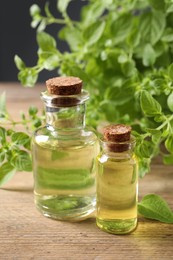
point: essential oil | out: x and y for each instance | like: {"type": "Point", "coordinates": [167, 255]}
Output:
{"type": "Point", "coordinates": [64, 153]}
{"type": "Point", "coordinates": [117, 181]}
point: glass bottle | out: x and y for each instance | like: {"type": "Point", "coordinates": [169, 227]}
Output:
{"type": "Point", "coordinates": [64, 153]}
{"type": "Point", "coordinates": [117, 181]}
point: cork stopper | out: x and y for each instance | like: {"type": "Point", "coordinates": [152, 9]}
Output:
{"type": "Point", "coordinates": [64, 86]}
{"type": "Point", "coordinates": [118, 136]}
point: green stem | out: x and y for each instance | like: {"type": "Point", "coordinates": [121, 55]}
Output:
{"type": "Point", "coordinates": [55, 20]}
{"type": "Point", "coordinates": [65, 21]}
{"type": "Point", "coordinates": [167, 121]}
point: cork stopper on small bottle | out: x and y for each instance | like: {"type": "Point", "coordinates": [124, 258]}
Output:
{"type": "Point", "coordinates": [118, 136]}
{"type": "Point", "coordinates": [64, 86]}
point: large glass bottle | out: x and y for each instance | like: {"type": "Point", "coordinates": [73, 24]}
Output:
{"type": "Point", "coordinates": [64, 153]}
{"type": "Point", "coordinates": [117, 181]}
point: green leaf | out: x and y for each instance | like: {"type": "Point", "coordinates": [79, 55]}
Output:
{"type": "Point", "coordinates": [27, 145]}
{"type": "Point", "coordinates": [149, 105]}
{"type": "Point", "coordinates": [2, 135]}
{"type": "Point", "coordinates": [46, 42]}
{"type": "Point", "coordinates": [151, 27]}
{"type": "Point", "coordinates": [169, 143]}
{"type": "Point", "coordinates": [146, 149]}
{"type": "Point", "coordinates": [144, 166]}
{"type": "Point", "coordinates": [2, 155]}
{"type": "Point", "coordinates": [149, 55]}
{"type": "Point", "coordinates": [168, 159]}
{"type": "Point", "coordinates": [120, 95]}
{"type": "Point", "coordinates": [2, 105]}
{"type": "Point", "coordinates": [170, 9]}
{"type": "Point", "coordinates": [170, 102]}
{"type": "Point", "coordinates": [73, 36]}
{"type": "Point", "coordinates": [62, 5]}
{"type": "Point", "coordinates": [75, 70]}
{"type": "Point", "coordinates": [153, 206]}
{"type": "Point", "coordinates": [7, 171]}
{"type": "Point", "coordinates": [37, 122]}
{"type": "Point", "coordinates": [20, 138]}
{"type": "Point", "coordinates": [168, 35]}
{"type": "Point", "coordinates": [121, 28]}
{"type": "Point", "coordinates": [155, 135]}
{"type": "Point", "coordinates": [123, 58]}
{"type": "Point", "coordinates": [93, 33]}
{"type": "Point", "coordinates": [35, 13]}
{"type": "Point", "coordinates": [165, 131]}
{"type": "Point", "coordinates": [170, 71]}
{"type": "Point", "coordinates": [128, 68]}
{"type": "Point", "coordinates": [134, 38]}
{"type": "Point", "coordinates": [22, 161]}
{"type": "Point", "coordinates": [90, 13]}
{"type": "Point", "coordinates": [34, 10]}
{"type": "Point", "coordinates": [28, 76]}
{"type": "Point", "coordinates": [157, 4]}
{"type": "Point", "coordinates": [51, 62]}
{"type": "Point", "coordinates": [33, 110]}
{"type": "Point", "coordinates": [10, 132]}
{"type": "Point", "coordinates": [159, 118]}
{"type": "Point", "coordinates": [19, 62]}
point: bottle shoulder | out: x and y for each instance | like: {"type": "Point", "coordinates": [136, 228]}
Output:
{"type": "Point", "coordinates": [84, 135]}
{"type": "Point", "coordinates": [122, 158]}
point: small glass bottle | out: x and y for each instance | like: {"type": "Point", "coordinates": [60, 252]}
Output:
{"type": "Point", "coordinates": [117, 181]}
{"type": "Point", "coordinates": [64, 153]}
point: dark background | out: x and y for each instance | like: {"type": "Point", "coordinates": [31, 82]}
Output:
{"type": "Point", "coordinates": [17, 36]}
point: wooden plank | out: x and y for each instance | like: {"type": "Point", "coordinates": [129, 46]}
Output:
{"type": "Point", "coordinates": [26, 234]}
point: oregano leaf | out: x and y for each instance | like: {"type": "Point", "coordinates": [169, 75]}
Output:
{"type": "Point", "coordinates": [19, 62]}
{"type": "Point", "coordinates": [170, 71]}
{"type": "Point", "coordinates": [149, 105]}
{"type": "Point", "coordinates": [46, 42]}
{"type": "Point", "coordinates": [169, 143]}
{"type": "Point", "coordinates": [62, 5]}
{"type": "Point", "coordinates": [32, 110]}
{"type": "Point", "coordinates": [146, 149]}
{"type": "Point", "coordinates": [20, 138]}
{"type": "Point", "coordinates": [35, 10]}
{"type": "Point", "coordinates": [149, 55]}
{"type": "Point", "coordinates": [152, 206]}
{"type": "Point", "coordinates": [93, 33]}
{"type": "Point", "coordinates": [157, 4]}
{"type": "Point", "coordinates": [168, 159]}
{"type": "Point", "coordinates": [121, 27]}
{"type": "Point", "coordinates": [22, 161]}
{"type": "Point", "coordinates": [6, 172]}
{"type": "Point", "coordinates": [128, 68]}
{"type": "Point", "coordinates": [170, 102]}
{"type": "Point", "coordinates": [144, 166]}
{"type": "Point", "coordinates": [3, 105]}
{"type": "Point", "coordinates": [152, 25]}
{"type": "Point", "coordinates": [28, 76]}
{"type": "Point", "coordinates": [2, 134]}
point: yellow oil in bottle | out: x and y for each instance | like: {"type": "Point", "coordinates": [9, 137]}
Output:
{"type": "Point", "coordinates": [64, 176]}
{"type": "Point", "coordinates": [117, 190]}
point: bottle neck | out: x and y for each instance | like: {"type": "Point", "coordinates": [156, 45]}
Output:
{"type": "Point", "coordinates": [123, 150]}
{"type": "Point", "coordinates": [66, 117]}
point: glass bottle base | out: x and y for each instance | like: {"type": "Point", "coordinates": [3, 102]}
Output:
{"type": "Point", "coordinates": [117, 226]}
{"type": "Point", "coordinates": [65, 208]}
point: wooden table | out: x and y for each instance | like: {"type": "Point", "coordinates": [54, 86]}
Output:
{"type": "Point", "coordinates": [26, 234]}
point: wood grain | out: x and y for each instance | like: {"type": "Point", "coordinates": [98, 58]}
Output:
{"type": "Point", "coordinates": [26, 234]}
